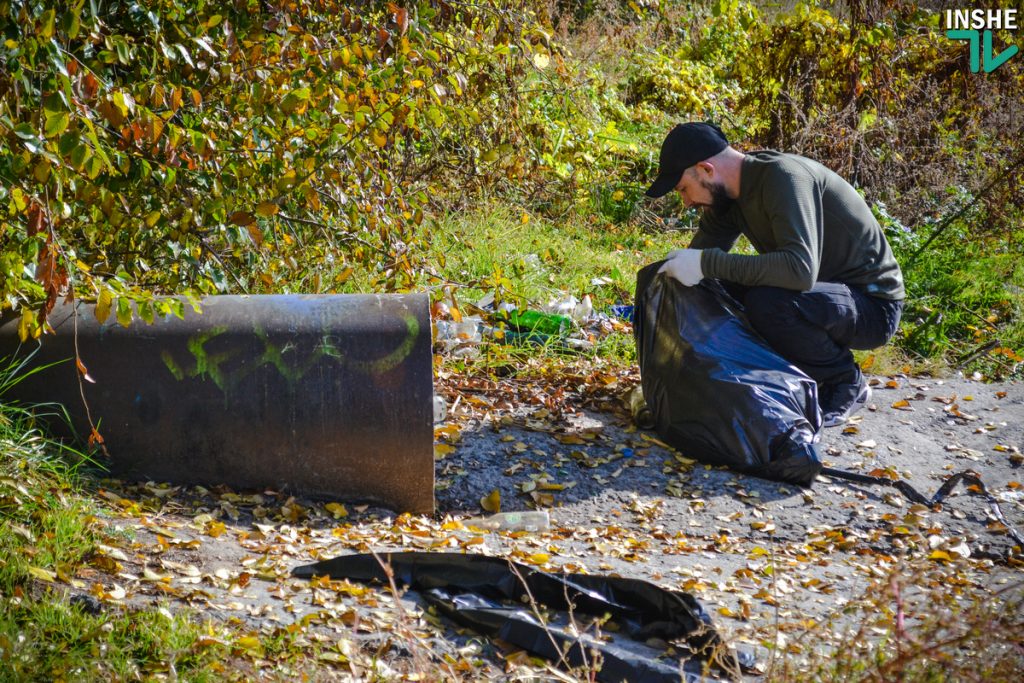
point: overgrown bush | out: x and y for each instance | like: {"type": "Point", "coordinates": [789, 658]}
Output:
{"type": "Point", "coordinates": [183, 147]}
{"type": "Point", "coordinates": [169, 147]}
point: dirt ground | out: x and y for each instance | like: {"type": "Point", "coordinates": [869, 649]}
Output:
{"type": "Point", "coordinates": [777, 566]}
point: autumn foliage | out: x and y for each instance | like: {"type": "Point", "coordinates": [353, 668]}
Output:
{"type": "Point", "coordinates": [167, 147]}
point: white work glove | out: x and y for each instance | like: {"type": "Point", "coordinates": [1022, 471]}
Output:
{"type": "Point", "coordinates": [684, 266]}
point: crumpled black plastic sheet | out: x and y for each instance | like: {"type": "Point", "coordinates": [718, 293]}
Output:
{"type": "Point", "coordinates": [492, 596]}
{"type": "Point", "coordinates": [719, 393]}
{"type": "Point", "coordinates": [967, 477]}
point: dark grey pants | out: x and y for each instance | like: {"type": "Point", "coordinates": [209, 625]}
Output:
{"type": "Point", "coordinates": [815, 330]}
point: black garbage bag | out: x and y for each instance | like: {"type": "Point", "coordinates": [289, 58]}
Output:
{"type": "Point", "coordinates": [717, 391]}
{"type": "Point", "coordinates": [492, 595]}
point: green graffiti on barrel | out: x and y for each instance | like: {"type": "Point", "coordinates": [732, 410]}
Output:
{"type": "Point", "coordinates": [396, 357]}
{"type": "Point", "coordinates": [206, 364]}
{"type": "Point", "coordinates": [212, 365]}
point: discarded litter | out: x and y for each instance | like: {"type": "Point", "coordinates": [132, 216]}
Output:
{"type": "Point", "coordinates": [527, 608]}
{"type": "Point", "coordinates": [571, 307]}
{"type": "Point", "coordinates": [622, 311]}
{"type": "Point", "coordinates": [465, 330]}
{"type": "Point", "coordinates": [460, 338]}
{"type": "Point", "coordinates": [525, 320]}
{"type": "Point", "coordinates": [638, 408]}
{"type": "Point", "coordinates": [565, 323]}
{"type": "Point", "coordinates": [528, 520]}
{"type": "Point", "coordinates": [440, 408]}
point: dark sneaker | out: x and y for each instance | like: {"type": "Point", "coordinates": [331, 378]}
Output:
{"type": "Point", "coordinates": [843, 400]}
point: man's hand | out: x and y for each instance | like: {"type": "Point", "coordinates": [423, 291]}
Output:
{"type": "Point", "coordinates": [684, 266]}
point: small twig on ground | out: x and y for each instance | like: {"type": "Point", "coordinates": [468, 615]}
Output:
{"type": "Point", "coordinates": [536, 612]}
{"type": "Point", "coordinates": [775, 611]}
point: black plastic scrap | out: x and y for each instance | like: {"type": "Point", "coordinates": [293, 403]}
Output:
{"type": "Point", "coordinates": [493, 596]}
{"type": "Point", "coordinates": [910, 493]}
{"type": "Point", "coordinates": [717, 391]}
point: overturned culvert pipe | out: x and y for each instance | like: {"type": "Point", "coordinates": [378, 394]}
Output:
{"type": "Point", "coordinates": [324, 395]}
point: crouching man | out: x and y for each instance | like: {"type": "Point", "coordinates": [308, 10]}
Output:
{"type": "Point", "coordinates": [824, 279]}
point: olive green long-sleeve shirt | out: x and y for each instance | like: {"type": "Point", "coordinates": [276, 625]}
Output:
{"type": "Point", "coordinates": [807, 225]}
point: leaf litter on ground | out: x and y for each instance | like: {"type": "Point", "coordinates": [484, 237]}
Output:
{"type": "Point", "coordinates": [788, 572]}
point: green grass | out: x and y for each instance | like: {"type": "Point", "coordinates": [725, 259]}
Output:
{"type": "Point", "coordinates": [51, 639]}
{"type": "Point", "coordinates": [965, 303]}
{"type": "Point", "coordinates": [52, 629]}
{"type": "Point", "coordinates": [48, 528]}
{"type": "Point", "coordinates": [529, 259]}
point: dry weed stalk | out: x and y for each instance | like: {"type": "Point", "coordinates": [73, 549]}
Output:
{"type": "Point", "coordinates": [424, 659]}
{"type": "Point", "coordinates": [914, 626]}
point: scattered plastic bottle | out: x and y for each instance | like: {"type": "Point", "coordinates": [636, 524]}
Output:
{"type": "Point", "coordinates": [535, 321]}
{"type": "Point", "coordinates": [528, 520]}
{"type": "Point", "coordinates": [451, 333]}
{"type": "Point", "coordinates": [643, 417]}
{"type": "Point", "coordinates": [460, 339]}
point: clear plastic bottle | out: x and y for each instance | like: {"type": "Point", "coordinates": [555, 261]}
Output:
{"type": "Point", "coordinates": [527, 520]}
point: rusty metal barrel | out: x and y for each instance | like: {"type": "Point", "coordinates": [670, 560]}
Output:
{"type": "Point", "coordinates": [323, 395]}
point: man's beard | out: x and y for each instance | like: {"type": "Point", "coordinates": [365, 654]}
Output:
{"type": "Point", "coordinates": [721, 202]}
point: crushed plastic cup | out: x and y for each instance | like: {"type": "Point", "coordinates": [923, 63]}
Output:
{"type": "Point", "coordinates": [583, 310]}
{"type": "Point", "coordinates": [563, 306]}
{"type": "Point", "coordinates": [571, 307]}
{"type": "Point", "coordinates": [460, 338]}
{"type": "Point", "coordinates": [579, 344]}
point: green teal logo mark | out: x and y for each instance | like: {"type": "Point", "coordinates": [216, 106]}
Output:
{"type": "Point", "coordinates": [981, 50]}
{"type": "Point", "coordinates": [976, 26]}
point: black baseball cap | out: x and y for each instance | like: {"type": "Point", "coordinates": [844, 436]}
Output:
{"type": "Point", "coordinates": [685, 145]}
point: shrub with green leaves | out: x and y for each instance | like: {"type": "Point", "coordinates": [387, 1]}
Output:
{"type": "Point", "coordinates": [192, 148]}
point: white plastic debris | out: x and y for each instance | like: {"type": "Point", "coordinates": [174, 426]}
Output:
{"type": "Point", "coordinates": [528, 520]}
